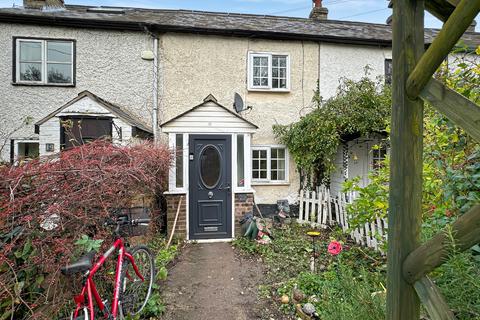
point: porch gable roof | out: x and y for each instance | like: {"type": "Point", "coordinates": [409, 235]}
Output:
{"type": "Point", "coordinates": [113, 108]}
{"type": "Point", "coordinates": [208, 116]}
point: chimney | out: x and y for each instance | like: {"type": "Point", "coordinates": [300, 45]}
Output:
{"type": "Point", "coordinates": [43, 4]}
{"type": "Point", "coordinates": [318, 11]}
{"type": "Point", "coordinates": [472, 26]}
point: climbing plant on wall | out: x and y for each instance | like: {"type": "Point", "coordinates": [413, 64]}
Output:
{"type": "Point", "coordinates": [358, 108]}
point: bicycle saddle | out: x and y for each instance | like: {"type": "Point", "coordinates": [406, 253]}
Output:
{"type": "Point", "coordinates": [81, 265]}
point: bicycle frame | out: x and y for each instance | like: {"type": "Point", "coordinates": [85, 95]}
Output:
{"type": "Point", "coordinates": [90, 290]}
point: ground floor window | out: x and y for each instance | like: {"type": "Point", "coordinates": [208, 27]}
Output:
{"type": "Point", "coordinates": [240, 160]}
{"type": "Point", "coordinates": [269, 164]}
{"type": "Point", "coordinates": [379, 154]}
{"type": "Point", "coordinates": [179, 160]}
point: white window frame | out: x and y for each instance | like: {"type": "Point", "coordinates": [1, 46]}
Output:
{"type": "Point", "coordinates": [269, 55]}
{"type": "Point", "coordinates": [247, 160]}
{"type": "Point", "coordinates": [44, 62]}
{"type": "Point", "coordinates": [172, 176]}
{"type": "Point", "coordinates": [268, 180]}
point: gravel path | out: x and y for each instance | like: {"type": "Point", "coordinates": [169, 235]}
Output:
{"type": "Point", "coordinates": [211, 281]}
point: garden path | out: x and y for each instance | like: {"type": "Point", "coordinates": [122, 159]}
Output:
{"type": "Point", "coordinates": [211, 281]}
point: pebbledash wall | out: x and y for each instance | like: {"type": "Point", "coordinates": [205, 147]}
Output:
{"type": "Point", "coordinates": [108, 64]}
{"type": "Point", "coordinates": [194, 66]}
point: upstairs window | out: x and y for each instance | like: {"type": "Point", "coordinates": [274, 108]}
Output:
{"type": "Point", "coordinates": [268, 72]}
{"type": "Point", "coordinates": [44, 62]}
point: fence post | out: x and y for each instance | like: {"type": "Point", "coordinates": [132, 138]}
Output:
{"type": "Point", "coordinates": [302, 202]}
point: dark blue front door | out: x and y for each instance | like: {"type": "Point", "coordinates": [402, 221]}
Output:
{"type": "Point", "coordinates": [210, 194]}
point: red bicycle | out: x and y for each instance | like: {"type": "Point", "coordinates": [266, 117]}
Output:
{"type": "Point", "coordinates": [134, 276]}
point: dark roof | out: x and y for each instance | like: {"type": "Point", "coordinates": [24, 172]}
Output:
{"type": "Point", "coordinates": [247, 25]}
{"type": "Point", "coordinates": [209, 98]}
{"type": "Point", "coordinates": [113, 108]}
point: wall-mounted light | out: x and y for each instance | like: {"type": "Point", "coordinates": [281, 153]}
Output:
{"type": "Point", "coordinates": [49, 147]}
{"type": "Point", "coordinates": [147, 55]}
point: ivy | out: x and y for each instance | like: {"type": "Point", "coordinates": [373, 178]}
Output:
{"type": "Point", "coordinates": [358, 108]}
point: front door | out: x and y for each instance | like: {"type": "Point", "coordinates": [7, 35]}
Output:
{"type": "Point", "coordinates": [210, 194]}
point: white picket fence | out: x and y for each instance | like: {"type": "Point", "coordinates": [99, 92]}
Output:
{"type": "Point", "coordinates": [320, 209]}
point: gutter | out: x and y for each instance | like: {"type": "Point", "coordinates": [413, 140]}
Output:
{"type": "Point", "coordinates": [155, 90]}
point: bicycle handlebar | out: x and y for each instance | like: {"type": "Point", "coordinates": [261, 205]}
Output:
{"type": "Point", "coordinates": [123, 220]}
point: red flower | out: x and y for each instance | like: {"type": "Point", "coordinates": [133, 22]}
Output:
{"type": "Point", "coordinates": [334, 248]}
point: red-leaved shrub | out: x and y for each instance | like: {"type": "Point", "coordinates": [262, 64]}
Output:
{"type": "Point", "coordinates": [81, 187]}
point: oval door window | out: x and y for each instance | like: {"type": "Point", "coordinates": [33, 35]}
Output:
{"type": "Point", "coordinates": [210, 166]}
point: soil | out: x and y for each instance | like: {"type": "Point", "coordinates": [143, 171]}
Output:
{"type": "Point", "coordinates": [212, 281]}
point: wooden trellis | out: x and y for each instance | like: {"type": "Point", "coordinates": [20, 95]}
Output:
{"type": "Point", "coordinates": [413, 68]}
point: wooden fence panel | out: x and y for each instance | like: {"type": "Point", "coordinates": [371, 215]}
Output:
{"type": "Point", "coordinates": [320, 209]}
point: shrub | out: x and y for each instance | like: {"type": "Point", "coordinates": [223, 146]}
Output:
{"type": "Point", "coordinates": [45, 206]}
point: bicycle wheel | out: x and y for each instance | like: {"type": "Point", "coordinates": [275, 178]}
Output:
{"type": "Point", "coordinates": [135, 292]}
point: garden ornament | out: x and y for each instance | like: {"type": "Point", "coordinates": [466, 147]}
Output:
{"type": "Point", "coordinates": [308, 308]}
{"type": "Point", "coordinates": [314, 234]}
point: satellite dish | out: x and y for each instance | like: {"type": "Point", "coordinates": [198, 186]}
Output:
{"type": "Point", "coordinates": [238, 103]}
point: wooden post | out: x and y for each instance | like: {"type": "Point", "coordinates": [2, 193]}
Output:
{"type": "Point", "coordinates": [451, 32]}
{"type": "Point", "coordinates": [406, 159]}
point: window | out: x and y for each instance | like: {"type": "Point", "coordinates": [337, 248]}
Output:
{"type": "Point", "coordinates": [44, 62]}
{"type": "Point", "coordinates": [269, 72]}
{"type": "Point", "coordinates": [379, 154]}
{"type": "Point", "coordinates": [179, 161]}
{"type": "Point", "coordinates": [240, 161]}
{"type": "Point", "coordinates": [260, 164]}
{"type": "Point", "coordinates": [269, 164]}
{"type": "Point", "coordinates": [388, 71]}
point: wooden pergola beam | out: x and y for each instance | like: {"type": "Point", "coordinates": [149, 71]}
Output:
{"type": "Point", "coordinates": [442, 9]}
{"type": "Point", "coordinates": [433, 300]}
{"type": "Point", "coordinates": [454, 106]}
{"type": "Point", "coordinates": [453, 29]}
{"type": "Point", "coordinates": [433, 253]}
{"type": "Point", "coordinates": [405, 199]}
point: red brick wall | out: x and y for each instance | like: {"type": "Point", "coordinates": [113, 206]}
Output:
{"type": "Point", "coordinates": [172, 205]}
{"type": "Point", "coordinates": [243, 205]}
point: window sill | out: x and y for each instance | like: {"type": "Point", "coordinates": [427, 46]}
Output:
{"type": "Point", "coordinates": [270, 183]}
{"type": "Point", "coordinates": [269, 90]}
{"type": "Point", "coordinates": [66, 85]}
{"type": "Point", "coordinates": [249, 190]}
{"type": "Point", "coordinates": [175, 192]}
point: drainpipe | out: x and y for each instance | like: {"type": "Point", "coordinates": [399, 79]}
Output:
{"type": "Point", "coordinates": [155, 90]}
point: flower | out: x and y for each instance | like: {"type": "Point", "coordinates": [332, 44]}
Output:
{"type": "Point", "coordinates": [334, 248]}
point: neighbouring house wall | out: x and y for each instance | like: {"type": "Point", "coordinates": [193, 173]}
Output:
{"type": "Point", "coordinates": [349, 61]}
{"type": "Point", "coordinates": [197, 65]}
{"type": "Point", "coordinates": [108, 64]}
{"type": "Point", "coordinates": [50, 134]}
